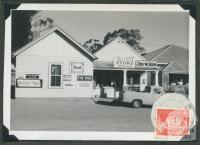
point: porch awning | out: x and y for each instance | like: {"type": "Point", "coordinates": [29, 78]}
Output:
{"type": "Point", "coordinates": [108, 65]}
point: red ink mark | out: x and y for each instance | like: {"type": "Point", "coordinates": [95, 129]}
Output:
{"type": "Point", "coordinates": [172, 122]}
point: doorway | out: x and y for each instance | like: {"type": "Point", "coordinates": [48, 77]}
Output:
{"type": "Point", "coordinates": [109, 77]}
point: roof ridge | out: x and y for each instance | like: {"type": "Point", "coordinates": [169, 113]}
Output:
{"type": "Point", "coordinates": [78, 43]}
{"type": "Point", "coordinates": [131, 48]}
{"type": "Point", "coordinates": [125, 43]}
{"type": "Point", "coordinates": [20, 50]}
{"type": "Point", "coordinates": [166, 48]}
{"type": "Point", "coordinates": [154, 52]}
{"type": "Point", "coordinates": [106, 44]}
{"type": "Point", "coordinates": [29, 44]}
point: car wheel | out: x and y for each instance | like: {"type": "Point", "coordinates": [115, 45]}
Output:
{"type": "Point", "coordinates": [137, 103]}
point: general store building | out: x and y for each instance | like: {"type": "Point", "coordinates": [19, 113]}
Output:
{"type": "Point", "coordinates": [56, 65]}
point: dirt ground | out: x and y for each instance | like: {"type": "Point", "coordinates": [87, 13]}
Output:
{"type": "Point", "coordinates": [76, 114]}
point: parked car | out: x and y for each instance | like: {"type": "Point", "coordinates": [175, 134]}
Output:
{"type": "Point", "coordinates": [136, 99]}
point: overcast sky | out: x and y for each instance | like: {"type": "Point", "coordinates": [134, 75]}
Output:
{"type": "Point", "coordinates": [157, 28]}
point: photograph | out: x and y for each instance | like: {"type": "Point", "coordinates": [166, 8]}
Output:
{"type": "Point", "coordinates": [96, 70]}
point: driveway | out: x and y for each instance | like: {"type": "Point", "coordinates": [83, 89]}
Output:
{"type": "Point", "coordinates": [76, 114]}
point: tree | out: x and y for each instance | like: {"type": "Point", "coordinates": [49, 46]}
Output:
{"type": "Point", "coordinates": [39, 26]}
{"type": "Point", "coordinates": [92, 45]}
{"type": "Point", "coordinates": [132, 37]}
{"type": "Point", "coordinates": [21, 26]}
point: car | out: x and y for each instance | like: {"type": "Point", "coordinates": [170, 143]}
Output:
{"type": "Point", "coordinates": [147, 97]}
{"type": "Point", "coordinates": [136, 99]}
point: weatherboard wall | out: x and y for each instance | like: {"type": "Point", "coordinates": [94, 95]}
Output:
{"type": "Point", "coordinates": [116, 48]}
{"type": "Point", "coordinates": [36, 60]}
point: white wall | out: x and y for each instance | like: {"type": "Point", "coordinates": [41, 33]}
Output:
{"type": "Point", "coordinates": [36, 59]}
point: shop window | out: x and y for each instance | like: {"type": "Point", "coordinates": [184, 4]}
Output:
{"type": "Point", "coordinates": [55, 75]}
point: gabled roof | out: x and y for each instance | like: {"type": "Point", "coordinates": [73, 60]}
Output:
{"type": "Point", "coordinates": [64, 34]}
{"type": "Point", "coordinates": [151, 55]}
{"type": "Point", "coordinates": [125, 43]}
{"type": "Point", "coordinates": [176, 56]}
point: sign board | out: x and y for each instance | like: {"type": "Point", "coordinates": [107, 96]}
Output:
{"type": "Point", "coordinates": [145, 64]}
{"type": "Point", "coordinates": [32, 76]}
{"type": "Point", "coordinates": [68, 85]}
{"type": "Point", "coordinates": [29, 83]}
{"type": "Point", "coordinates": [77, 67]}
{"type": "Point", "coordinates": [124, 62]}
{"type": "Point", "coordinates": [67, 77]}
{"type": "Point", "coordinates": [84, 78]}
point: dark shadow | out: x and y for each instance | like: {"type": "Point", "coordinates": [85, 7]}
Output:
{"type": "Point", "coordinates": [7, 137]}
{"type": "Point", "coordinates": [109, 103]}
{"type": "Point", "coordinates": [117, 103]}
{"type": "Point", "coordinates": [12, 92]}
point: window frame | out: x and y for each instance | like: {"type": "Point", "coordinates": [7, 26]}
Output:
{"type": "Point", "coordinates": [61, 75]}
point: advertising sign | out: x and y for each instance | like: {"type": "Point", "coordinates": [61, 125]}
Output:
{"type": "Point", "coordinates": [67, 77]}
{"type": "Point", "coordinates": [68, 85]}
{"type": "Point", "coordinates": [77, 67]}
{"type": "Point", "coordinates": [28, 83]}
{"type": "Point", "coordinates": [145, 64]}
{"type": "Point", "coordinates": [124, 62]}
{"type": "Point", "coordinates": [32, 76]}
{"type": "Point", "coordinates": [84, 78]}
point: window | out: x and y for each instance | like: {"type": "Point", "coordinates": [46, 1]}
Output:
{"type": "Point", "coordinates": [55, 75]}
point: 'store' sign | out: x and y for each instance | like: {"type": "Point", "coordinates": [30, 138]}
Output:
{"type": "Point", "coordinates": [29, 83]}
{"type": "Point", "coordinates": [124, 62]}
{"type": "Point", "coordinates": [130, 62]}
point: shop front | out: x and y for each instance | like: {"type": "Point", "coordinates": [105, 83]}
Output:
{"type": "Point", "coordinates": [126, 73]}
{"type": "Point", "coordinates": [118, 65]}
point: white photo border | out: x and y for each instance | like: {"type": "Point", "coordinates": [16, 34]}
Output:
{"type": "Point", "coordinates": [92, 135]}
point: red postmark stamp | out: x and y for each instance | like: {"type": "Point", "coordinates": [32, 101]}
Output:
{"type": "Point", "coordinates": [172, 122]}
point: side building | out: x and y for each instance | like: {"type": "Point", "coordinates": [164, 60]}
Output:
{"type": "Point", "coordinates": [176, 72]}
{"type": "Point", "coordinates": [54, 65]}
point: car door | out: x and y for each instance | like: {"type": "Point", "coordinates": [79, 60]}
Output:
{"type": "Point", "coordinates": [148, 98]}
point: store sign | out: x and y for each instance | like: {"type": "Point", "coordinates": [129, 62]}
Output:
{"type": "Point", "coordinates": [145, 64]}
{"type": "Point", "coordinates": [29, 83]}
{"type": "Point", "coordinates": [77, 67]}
{"type": "Point", "coordinates": [124, 62]}
{"type": "Point", "coordinates": [32, 76]}
{"type": "Point", "coordinates": [84, 78]}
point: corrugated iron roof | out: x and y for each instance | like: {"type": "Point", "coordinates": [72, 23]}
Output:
{"type": "Point", "coordinates": [176, 56]}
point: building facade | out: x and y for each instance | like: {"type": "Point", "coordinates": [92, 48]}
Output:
{"type": "Point", "coordinates": [56, 65]}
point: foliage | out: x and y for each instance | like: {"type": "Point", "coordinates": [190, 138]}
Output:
{"type": "Point", "coordinates": [92, 45]}
{"type": "Point", "coordinates": [21, 28]}
{"type": "Point", "coordinates": [132, 37]}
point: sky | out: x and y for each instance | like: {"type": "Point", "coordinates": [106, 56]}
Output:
{"type": "Point", "coordinates": [157, 28]}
